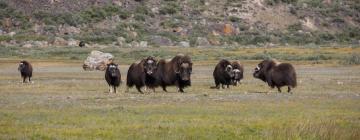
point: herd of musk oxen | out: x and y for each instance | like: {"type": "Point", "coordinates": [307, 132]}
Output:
{"type": "Point", "coordinates": [151, 73]}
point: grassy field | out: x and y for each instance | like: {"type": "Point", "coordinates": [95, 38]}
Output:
{"type": "Point", "coordinates": [65, 102]}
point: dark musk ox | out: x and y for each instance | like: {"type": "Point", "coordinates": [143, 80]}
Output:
{"type": "Point", "coordinates": [26, 70]}
{"type": "Point", "coordinates": [276, 74]}
{"type": "Point", "coordinates": [176, 72]}
{"type": "Point", "coordinates": [81, 44]}
{"type": "Point", "coordinates": [142, 74]}
{"type": "Point", "coordinates": [238, 71]}
{"type": "Point", "coordinates": [223, 74]}
{"type": "Point", "coordinates": [112, 76]}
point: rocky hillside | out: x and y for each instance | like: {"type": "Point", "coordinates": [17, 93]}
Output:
{"type": "Point", "coordinates": [141, 23]}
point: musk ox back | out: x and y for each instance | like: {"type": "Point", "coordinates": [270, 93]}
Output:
{"type": "Point", "coordinates": [112, 76]}
{"type": "Point", "coordinates": [26, 70]}
{"type": "Point", "coordinates": [223, 74]}
{"type": "Point", "coordinates": [238, 72]}
{"type": "Point", "coordinates": [176, 72]}
{"type": "Point", "coordinates": [276, 74]}
{"type": "Point", "coordinates": [142, 74]}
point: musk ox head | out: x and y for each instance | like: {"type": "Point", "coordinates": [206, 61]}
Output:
{"type": "Point", "coordinates": [22, 66]}
{"type": "Point", "coordinates": [112, 69]}
{"type": "Point", "coordinates": [263, 68]}
{"type": "Point", "coordinates": [150, 65]}
{"type": "Point", "coordinates": [227, 68]}
{"type": "Point", "coordinates": [237, 73]}
{"type": "Point", "coordinates": [184, 67]}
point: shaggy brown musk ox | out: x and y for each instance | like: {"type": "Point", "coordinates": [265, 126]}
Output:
{"type": "Point", "coordinates": [223, 74]}
{"type": "Point", "coordinates": [176, 72]}
{"type": "Point", "coordinates": [112, 76]}
{"type": "Point", "coordinates": [276, 74]}
{"type": "Point", "coordinates": [238, 71]}
{"type": "Point", "coordinates": [26, 70]}
{"type": "Point", "coordinates": [142, 74]}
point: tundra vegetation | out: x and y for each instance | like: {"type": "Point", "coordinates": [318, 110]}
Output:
{"type": "Point", "coordinates": [320, 38]}
{"type": "Point", "coordinates": [65, 102]}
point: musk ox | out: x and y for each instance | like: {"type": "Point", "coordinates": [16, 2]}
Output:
{"type": "Point", "coordinates": [112, 76]}
{"type": "Point", "coordinates": [276, 74]}
{"type": "Point", "coordinates": [176, 72]}
{"type": "Point", "coordinates": [81, 44]}
{"type": "Point", "coordinates": [238, 72]}
{"type": "Point", "coordinates": [142, 74]}
{"type": "Point", "coordinates": [26, 70]}
{"type": "Point", "coordinates": [223, 74]}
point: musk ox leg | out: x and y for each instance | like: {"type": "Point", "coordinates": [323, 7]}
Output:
{"type": "Point", "coordinates": [235, 83]}
{"type": "Point", "coordinates": [110, 89]}
{"type": "Point", "coordinates": [279, 89]}
{"type": "Point", "coordinates": [24, 79]}
{"type": "Point", "coordinates": [29, 79]}
{"type": "Point", "coordinates": [114, 89]}
{"type": "Point", "coordinates": [164, 88]}
{"type": "Point", "coordinates": [139, 89]}
{"type": "Point", "coordinates": [181, 90]}
{"type": "Point", "coordinates": [289, 90]}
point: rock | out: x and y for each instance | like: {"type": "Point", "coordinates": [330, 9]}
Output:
{"type": "Point", "coordinates": [38, 28]}
{"type": "Point", "coordinates": [117, 2]}
{"type": "Point", "coordinates": [143, 44]}
{"type": "Point", "coordinates": [155, 10]}
{"type": "Point", "coordinates": [41, 44]}
{"type": "Point", "coordinates": [215, 33]}
{"type": "Point", "coordinates": [12, 34]}
{"type": "Point", "coordinates": [135, 44]}
{"type": "Point", "coordinates": [134, 34]}
{"type": "Point", "coordinates": [121, 41]}
{"type": "Point", "coordinates": [68, 30]}
{"type": "Point", "coordinates": [58, 41]}
{"type": "Point", "coordinates": [355, 42]}
{"type": "Point", "coordinates": [184, 44]}
{"type": "Point", "coordinates": [27, 45]}
{"type": "Point", "coordinates": [178, 29]}
{"type": "Point", "coordinates": [214, 41]}
{"type": "Point", "coordinates": [97, 60]}
{"type": "Point", "coordinates": [161, 41]}
{"type": "Point", "coordinates": [270, 45]}
{"type": "Point", "coordinates": [228, 29]}
{"type": "Point", "coordinates": [73, 42]}
{"type": "Point", "coordinates": [202, 42]}
{"type": "Point", "coordinates": [99, 46]}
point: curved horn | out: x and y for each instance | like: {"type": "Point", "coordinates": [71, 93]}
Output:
{"type": "Point", "coordinates": [257, 68]}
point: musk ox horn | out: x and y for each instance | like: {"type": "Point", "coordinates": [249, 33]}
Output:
{"type": "Point", "coordinates": [257, 68]}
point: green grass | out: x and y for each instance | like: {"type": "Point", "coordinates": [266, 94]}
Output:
{"type": "Point", "coordinates": [64, 102]}
{"type": "Point", "coordinates": [314, 54]}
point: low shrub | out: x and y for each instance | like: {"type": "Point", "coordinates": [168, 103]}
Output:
{"type": "Point", "coordinates": [353, 59]}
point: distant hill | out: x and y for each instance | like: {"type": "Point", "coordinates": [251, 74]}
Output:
{"type": "Point", "coordinates": [179, 22]}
